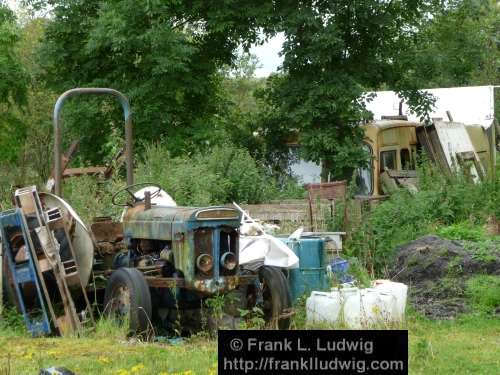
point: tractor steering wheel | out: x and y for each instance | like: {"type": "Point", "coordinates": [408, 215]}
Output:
{"type": "Point", "coordinates": [129, 189]}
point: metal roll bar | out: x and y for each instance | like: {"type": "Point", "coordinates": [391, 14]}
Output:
{"type": "Point", "coordinates": [57, 131]}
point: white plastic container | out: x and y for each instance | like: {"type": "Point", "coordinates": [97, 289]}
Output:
{"type": "Point", "coordinates": [351, 302]}
{"type": "Point", "coordinates": [340, 307]}
{"type": "Point", "coordinates": [323, 307]}
{"type": "Point", "coordinates": [358, 308]}
{"type": "Point", "coordinates": [377, 307]}
{"type": "Point", "coordinates": [399, 291]}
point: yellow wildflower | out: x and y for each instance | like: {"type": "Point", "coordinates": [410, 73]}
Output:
{"type": "Point", "coordinates": [28, 356]}
{"type": "Point", "coordinates": [103, 359]}
{"type": "Point", "coordinates": [137, 368]}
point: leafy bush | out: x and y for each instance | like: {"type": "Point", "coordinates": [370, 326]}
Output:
{"type": "Point", "coordinates": [462, 231]}
{"type": "Point", "coordinates": [222, 175]}
{"type": "Point", "coordinates": [91, 198]}
{"type": "Point", "coordinates": [11, 322]}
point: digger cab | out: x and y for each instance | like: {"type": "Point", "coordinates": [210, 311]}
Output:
{"type": "Point", "coordinates": [392, 145]}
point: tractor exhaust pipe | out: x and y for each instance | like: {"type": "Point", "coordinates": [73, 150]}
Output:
{"type": "Point", "coordinates": [57, 131]}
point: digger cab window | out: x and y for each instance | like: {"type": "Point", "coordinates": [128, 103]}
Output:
{"type": "Point", "coordinates": [388, 160]}
{"type": "Point", "coordinates": [406, 163]}
{"type": "Point", "coordinates": [364, 175]}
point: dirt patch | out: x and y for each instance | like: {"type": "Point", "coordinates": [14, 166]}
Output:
{"type": "Point", "coordinates": [436, 271]}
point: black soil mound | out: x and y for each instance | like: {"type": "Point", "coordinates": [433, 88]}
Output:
{"type": "Point", "coordinates": [436, 271]}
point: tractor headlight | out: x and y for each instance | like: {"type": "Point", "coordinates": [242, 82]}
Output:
{"type": "Point", "coordinates": [205, 263]}
{"type": "Point", "coordinates": [228, 261]}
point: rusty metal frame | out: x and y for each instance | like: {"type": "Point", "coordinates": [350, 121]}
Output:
{"type": "Point", "coordinates": [57, 131]}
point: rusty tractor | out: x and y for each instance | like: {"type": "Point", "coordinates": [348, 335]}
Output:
{"type": "Point", "coordinates": [161, 265]}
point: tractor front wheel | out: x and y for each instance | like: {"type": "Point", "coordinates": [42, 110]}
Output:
{"type": "Point", "coordinates": [128, 299]}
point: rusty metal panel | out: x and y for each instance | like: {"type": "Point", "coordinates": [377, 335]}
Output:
{"type": "Point", "coordinates": [209, 286]}
{"type": "Point", "coordinates": [75, 172]}
{"type": "Point", "coordinates": [328, 190]}
{"type": "Point", "coordinates": [107, 230]}
{"type": "Point", "coordinates": [161, 223]}
{"type": "Point", "coordinates": [164, 282]}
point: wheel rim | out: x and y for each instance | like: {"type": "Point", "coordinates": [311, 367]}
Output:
{"type": "Point", "coordinates": [120, 304]}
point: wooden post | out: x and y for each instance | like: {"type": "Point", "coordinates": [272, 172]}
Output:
{"type": "Point", "coordinates": [311, 215]}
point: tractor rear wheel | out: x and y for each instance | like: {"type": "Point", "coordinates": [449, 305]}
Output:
{"type": "Point", "coordinates": [127, 298]}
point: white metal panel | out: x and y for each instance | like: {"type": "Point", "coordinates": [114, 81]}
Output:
{"type": "Point", "coordinates": [454, 139]}
{"type": "Point", "coordinates": [470, 105]}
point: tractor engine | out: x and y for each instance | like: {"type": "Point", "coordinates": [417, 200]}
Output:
{"type": "Point", "coordinates": [199, 245]}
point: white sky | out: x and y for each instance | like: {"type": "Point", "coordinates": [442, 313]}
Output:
{"type": "Point", "coordinates": [268, 53]}
{"type": "Point", "coordinates": [13, 4]}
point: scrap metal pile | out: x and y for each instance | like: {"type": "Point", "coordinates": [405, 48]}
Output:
{"type": "Point", "coordinates": [44, 273]}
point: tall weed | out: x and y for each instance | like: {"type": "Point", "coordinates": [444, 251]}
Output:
{"type": "Point", "coordinates": [442, 201]}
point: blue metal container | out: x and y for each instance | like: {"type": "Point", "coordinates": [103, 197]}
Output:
{"type": "Point", "coordinates": [311, 274]}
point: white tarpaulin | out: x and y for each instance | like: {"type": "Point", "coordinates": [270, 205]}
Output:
{"type": "Point", "coordinates": [269, 249]}
{"type": "Point", "coordinates": [161, 197]}
{"type": "Point", "coordinates": [469, 105]}
{"type": "Point", "coordinates": [256, 245]}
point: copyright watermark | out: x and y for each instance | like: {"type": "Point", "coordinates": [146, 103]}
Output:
{"type": "Point", "coordinates": [317, 352]}
{"type": "Point", "coordinates": [236, 344]}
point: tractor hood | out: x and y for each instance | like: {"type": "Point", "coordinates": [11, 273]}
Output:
{"type": "Point", "coordinates": [162, 223]}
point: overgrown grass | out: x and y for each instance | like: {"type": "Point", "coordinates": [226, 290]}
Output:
{"type": "Point", "coordinates": [468, 345]}
{"type": "Point", "coordinates": [91, 197]}
{"type": "Point", "coordinates": [483, 292]}
{"type": "Point", "coordinates": [106, 350]}
{"type": "Point", "coordinates": [219, 176]}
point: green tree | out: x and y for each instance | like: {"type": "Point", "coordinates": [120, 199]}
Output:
{"type": "Point", "coordinates": [335, 51]}
{"type": "Point", "coordinates": [457, 47]}
{"type": "Point", "coordinates": [31, 151]}
{"type": "Point", "coordinates": [167, 57]}
{"type": "Point", "coordinates": [164, 55]}
{"type": "Point", "coordinates": [239, 86]}
{"type": "Point", "coordinates": [13, 84]}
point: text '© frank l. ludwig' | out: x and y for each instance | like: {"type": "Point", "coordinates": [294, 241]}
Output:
{"type": "Point", "coordinates": [319, 345]}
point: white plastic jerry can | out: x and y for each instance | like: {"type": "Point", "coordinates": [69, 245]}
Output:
{"type": "Point", "coordinates": [323, 307]}
{"type": "Point", "coordinates": [399, 291]}
{"type": "Point", "coordinates": [377, 307]}
{"type": "Point", "coordinates": [351, 302]}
